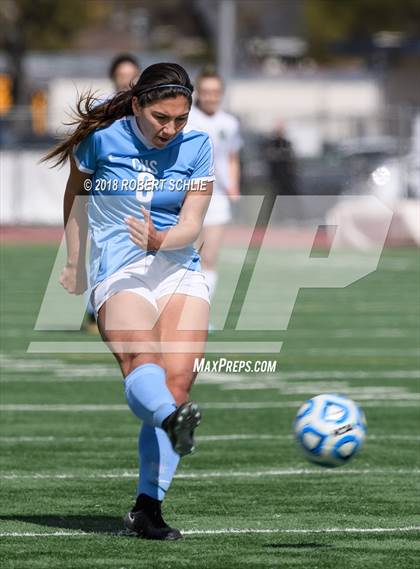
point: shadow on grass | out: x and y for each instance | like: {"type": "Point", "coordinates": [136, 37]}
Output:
{"type": "Point", "coordinates": [94, 524]}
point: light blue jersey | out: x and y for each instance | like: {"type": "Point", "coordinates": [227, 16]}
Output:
{"type": "Point", "coordinates": [127, 173]}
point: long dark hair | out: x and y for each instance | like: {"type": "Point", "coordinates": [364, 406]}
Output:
{"type": "Point", "coordinates": [91, 114]}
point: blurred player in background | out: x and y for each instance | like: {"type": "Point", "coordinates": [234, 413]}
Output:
{"type": "Point", "coordinates": [281, 159]}
{"type": "Point", "coordinates": [124, 71]}
{"type": "Point", "coordinates": [223, 129]}
{"type": "Point", "coordinates": [147, 286]}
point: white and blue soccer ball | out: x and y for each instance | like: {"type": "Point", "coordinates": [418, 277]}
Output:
{"type": "Point", "coordinates": [330, 429]}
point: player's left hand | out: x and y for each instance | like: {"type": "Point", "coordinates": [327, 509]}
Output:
{"type": "Point", "coordinates": [143, 232]}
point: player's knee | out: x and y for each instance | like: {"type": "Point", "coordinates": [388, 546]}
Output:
{"type": "Point", "coordinates": [179, 384]}
{"type": "Point", "coordinates": [129, 362]}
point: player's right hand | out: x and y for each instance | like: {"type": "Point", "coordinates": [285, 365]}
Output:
{"type": "Point", "coordinates": [74, 279]}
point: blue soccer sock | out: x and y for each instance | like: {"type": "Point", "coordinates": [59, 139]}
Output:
{"type": "Point", "coordinates": [158, 462]}
{"type": "Point", "coordinates": [148, 395]}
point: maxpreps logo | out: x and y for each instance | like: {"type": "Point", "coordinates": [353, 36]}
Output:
{"type": "Point", "coordinates": [224, 365]}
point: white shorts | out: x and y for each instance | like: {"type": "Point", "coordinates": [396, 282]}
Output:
{"type": "Point", "coordinates": [219, 210]}
{"type": "Point", "coordinates": [152, 277]}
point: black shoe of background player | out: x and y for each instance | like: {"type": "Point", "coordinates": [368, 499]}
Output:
{"type": "Point", "coordinates": [145, 520]}
{"type": "Point", "coordinates": [180, 427]}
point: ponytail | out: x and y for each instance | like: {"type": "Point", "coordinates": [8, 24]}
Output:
{"type": "Point", "coordinates": [89, 116]}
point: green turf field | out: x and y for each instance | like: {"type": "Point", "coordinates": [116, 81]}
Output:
{"type": "Point", "coordinates": [247, 497]}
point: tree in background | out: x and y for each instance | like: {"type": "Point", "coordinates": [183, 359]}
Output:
{"type": "Point", "coordinates": [329, 21]}
{"type": "Point", "coordinates": [42, 24]}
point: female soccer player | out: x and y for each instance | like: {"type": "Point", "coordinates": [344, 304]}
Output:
{"type": "Point", "coordinates": [150, 183]}
{"type": "Point", "coordinates": [223, 129]}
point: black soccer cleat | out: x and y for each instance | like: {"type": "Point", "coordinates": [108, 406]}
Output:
{"type": "Point", "coordinates": [180, 427]}
{"type": "Point", "coordinates": [147, 522]}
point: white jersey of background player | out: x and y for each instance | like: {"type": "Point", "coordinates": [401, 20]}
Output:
{"type": "Point", "coordinates": [224, 131]}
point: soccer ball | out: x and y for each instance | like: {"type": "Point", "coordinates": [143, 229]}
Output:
{"type": "Point", "coordinates": [330, 428]}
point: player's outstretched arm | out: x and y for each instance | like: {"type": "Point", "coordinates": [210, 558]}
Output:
{"type": "Point", "coordinates": [191, 217]}
{"type": "Point", "coordinates": [73, 277]}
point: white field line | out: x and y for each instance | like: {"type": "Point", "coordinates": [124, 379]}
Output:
{"type": "Point", "coordinates": [70, 378]}
{"type": "Point", "coordinates": [206, 379]}
{"type": "Point", "coordinates": [224, 531]}
{"type": "Point", "coordinates": [218, 380]}
{"type": "Point", "coordinates": [321, 352]}
{"type": "Point", "coordinates": [201, 439]}
{"type": "Point", "coordinates": [33, 370]}
{"type": "Point", "coordinates": [305, 389]}
{"type": "Point", "coordinates": [306, 530]}
{"type": "Point", "coordinates": [231, 406]}
{"type": "Point", "coordinates": [15, 363]}
{"type": "Point", "coordinates": [217, 474]}
{"type": "Point", "coordinates": [238, 405]}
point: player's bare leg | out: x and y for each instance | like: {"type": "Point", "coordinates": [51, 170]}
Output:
{"type": "Point", "coordinates": [182, 324]}
{"type": "Point", "coordinates": [117, 321]}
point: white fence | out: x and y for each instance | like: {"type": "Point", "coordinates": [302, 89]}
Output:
{"type": "Point", "coordinates": [31, 192]}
